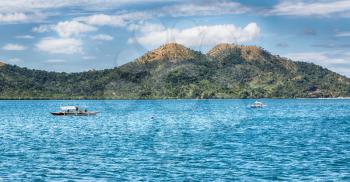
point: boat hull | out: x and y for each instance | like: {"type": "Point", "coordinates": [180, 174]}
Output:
{"type": "Point", "coordinates": [74, 114]}
{"type": "Point", "coordinates": [256, 107]}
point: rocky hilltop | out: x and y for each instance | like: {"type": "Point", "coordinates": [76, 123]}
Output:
{"type": "Point", "coordinates": [171, 52]}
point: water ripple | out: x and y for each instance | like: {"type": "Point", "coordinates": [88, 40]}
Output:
{"type": "Point", "coordinates": [182, 140]}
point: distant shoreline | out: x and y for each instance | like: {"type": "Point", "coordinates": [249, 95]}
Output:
{"type": "Point", "coordinates": [47, 99]}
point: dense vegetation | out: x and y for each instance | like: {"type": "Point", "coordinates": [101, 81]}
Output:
{"type": "Point", "coordinates": [173, 71]}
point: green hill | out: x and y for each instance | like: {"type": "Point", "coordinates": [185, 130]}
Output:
{"type": "Point", "coordinates": [174, 71]}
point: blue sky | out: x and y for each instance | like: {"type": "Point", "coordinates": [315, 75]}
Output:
{"type": "Point", "coordinates": [79, 35]}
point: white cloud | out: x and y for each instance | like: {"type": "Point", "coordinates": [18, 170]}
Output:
{"type": "Point", "coordinates": [13, 17]}
{"type": "Point", "coordinates": [204, 8]}
{"type": "Point", "coordinates": [120, 20]}
{"type": "Point", "coordinates": [176, 10]}
{"type": "Point", "coordinates": [14, 47]}
{"type": "Point", "coordinates": [66, 29]}
{"type": "Point", "coordinates": [69, 28]}
{"type": "Point", "coordinates": [321, 57]}
{"type": "Point", "coordinates": [102, 37]}
{"type": "Point", "coordinates": [335, 61]}
{"type": "Point", "coordinates": [146, 27]}
{"type": "Point", "coordinates": [25, 37]}
{"type": "Point", "coordinates": [81, 25]}
{"type": "Point", "coordinates": [42, 28]}
{"type": "Point", "coordinates": [20, 17]}
{"type": "Point", "coordinates": [37, 5]}
{"type": "Point", "coordinates": [18, 11]}
{"type": "Point", "coordinates": [34, 10]}
{"type": "Point", "coordinates": [102, 19]}
{"type": "Point", "coordinates": [199, 35]}
{"type": "Point", "coordinates": [342, 34]}
{"type": "Point", "coordinates": [60, 45]}
{"type": "Point", "coordinates": [311, 8]}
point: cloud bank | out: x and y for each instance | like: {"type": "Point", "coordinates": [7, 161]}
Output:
{"type": "Point", "coordinates": [14, 47]}
{"type": "Point", "coordinates": [312, 8]}
{"type": "Point", "coordinates": [60, 45]}
{"type": "Point", "coordinates": [155, 35]}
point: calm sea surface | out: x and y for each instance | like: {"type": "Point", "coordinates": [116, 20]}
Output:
{"type": "Point", "coordinates": [182, 140]}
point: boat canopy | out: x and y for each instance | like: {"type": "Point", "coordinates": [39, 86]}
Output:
{"type": "Point", "coordinates": [65, 108]}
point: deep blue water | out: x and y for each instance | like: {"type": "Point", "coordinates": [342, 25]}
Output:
{"type": "Point", "coordinates": [179, 140]}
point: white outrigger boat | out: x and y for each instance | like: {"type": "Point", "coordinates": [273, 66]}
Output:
{"type": "Point", "coordinates": [73, 111]}
{"type": "Point", "coordinates": [257, 104]}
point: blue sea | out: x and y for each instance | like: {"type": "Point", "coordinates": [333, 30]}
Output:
{"type": "Point", "coordinates": [176, 140]}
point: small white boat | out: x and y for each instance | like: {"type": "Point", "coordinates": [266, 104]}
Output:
{"type": "Point", "coordinates": [257, 104]}
{"type": "Point", "coordinates": [73, 111]}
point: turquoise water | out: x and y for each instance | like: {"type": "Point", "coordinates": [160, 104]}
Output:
{"type": "Point", "coordinates": [182, 140]}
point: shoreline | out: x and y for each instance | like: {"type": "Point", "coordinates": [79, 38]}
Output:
{"type": "Point", "coordinates": [134, 99]}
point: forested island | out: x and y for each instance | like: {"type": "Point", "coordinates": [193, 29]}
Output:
{"type": "Point", "coordinates": [174, 71]}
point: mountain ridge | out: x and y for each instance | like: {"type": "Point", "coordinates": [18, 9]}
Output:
{"type": "Point", "coordinates": [172, 52]}
{"type": "Point", "coordinates": [175, 71]}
